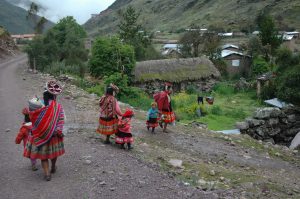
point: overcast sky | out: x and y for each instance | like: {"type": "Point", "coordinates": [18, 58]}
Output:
{"type": "Point", "coordinates": [81, 10]}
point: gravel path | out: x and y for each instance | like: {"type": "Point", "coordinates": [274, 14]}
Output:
{"type": "Point", "coordinates": [89, 169]}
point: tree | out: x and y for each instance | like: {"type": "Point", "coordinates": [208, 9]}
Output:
{"type": "Point", "coordinates": [109, 56]}
{"type": "Point", "coordinates": [259, 66]}
{"type": "Point", "coordinates": [268, 32]}
{"type": "Point", "coordinates": [190, 42]}
{"type": "Point", "coordinates": [254, 46]}
{"type": "Point", "coordinates": [211, 43]}
{"type": "Point", "coordinates": [32, 15]}
{"type": "Point", "coordinates": [63, 43]}
{"type": "Point", "coordinates": [133, 33]}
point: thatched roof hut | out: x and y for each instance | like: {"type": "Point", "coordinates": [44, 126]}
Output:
{"type": "Point", "coordinates": [176, 70]}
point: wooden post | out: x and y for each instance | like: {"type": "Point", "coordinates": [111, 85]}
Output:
{"type": "Point", "coordinates": [34, 65]}
{"type": "Point", "coordinates": [258, 88]}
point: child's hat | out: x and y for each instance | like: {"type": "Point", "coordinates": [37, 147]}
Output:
{"type": "Point", "coordinates": [35, 103]}
{"type": "Point", "coordinates": [128, 113]}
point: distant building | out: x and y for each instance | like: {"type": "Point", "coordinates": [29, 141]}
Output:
{"type": "Point", "coordinates": [23, 37]}
{"type": "Point", "coordinates": [225, 34]}
{"type": "Point", "coordinates": [237, 62]}
{"type": "Point", "coordinates": [171, 51]}
{"type": "Point", "coordinates": [231, 47]}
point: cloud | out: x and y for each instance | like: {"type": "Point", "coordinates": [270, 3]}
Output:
{"type": "Point", "coordinates": [81, 10]}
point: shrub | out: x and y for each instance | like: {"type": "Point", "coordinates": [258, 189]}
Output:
{"type": "Point", "coordinates": [191, 89]}
{"type": "Point", "coordinates": [97, 89]}
{"type": "Point", "coordinates": [259, 66]}
{"type": "Point", "coordinates": [216, 110]}
{"type": "Point", "coordinates": [223, 89]}
{"type": "Point", "coordinates": [268, 92]}
{"type": "Point", "coordinates": [289, 86]}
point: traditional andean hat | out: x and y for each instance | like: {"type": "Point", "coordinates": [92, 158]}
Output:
{"type": "Point", "coordinates": [128, 113]}
{"type": "Point", "coordinates": [54, 87]}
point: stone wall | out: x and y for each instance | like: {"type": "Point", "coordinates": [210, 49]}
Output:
{"type": "Point", "coordinates": [201, 85]}
{"type": "Point", "coordinates": [275, 125]}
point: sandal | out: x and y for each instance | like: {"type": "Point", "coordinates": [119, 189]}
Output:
{"type": "Point", "coordinates": [48, 177]}
{"type": "Point", "coordinates": [34, 168]}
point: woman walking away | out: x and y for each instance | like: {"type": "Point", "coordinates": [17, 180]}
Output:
{"type": "Point", "coordinates": [124, 135]}
{"type": "Point", "coordinates": [23, 135]}
{"type": "Point", "coordinates": [163, 100]}
{"type": "Point", "coordinates": [46, 141]}
{"type": "Point", "coordinates": [152, 117]}
{"type": "Point", "coordinates": [109, 112]}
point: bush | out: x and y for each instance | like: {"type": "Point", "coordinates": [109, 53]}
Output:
{"type": "Point", "coordinates": [289, 86]}
{"type": "Point", "coordinates": [97, 89]}
{"type": "Point", "coordinates": [109, 56]}
{"type": "Point", "coordinates": [259, 66]}
{"type": "Point", "coordinates": [223, 89]}
{"type": "Point", "coordinates": [268, 92]}
{"type": "Point", "coordinates": [216, 110]}
{"type": "Point", "coordinates": [191, 89]}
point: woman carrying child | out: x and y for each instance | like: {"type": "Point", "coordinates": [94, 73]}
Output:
{"type": "Point", "coordinates": [152, 117]}
{"type": "Point", "coordinates": [46, 141]}
{"type": "Point", "coordinates": [124, 136]}
{"type": "Point", "coordinates": [24, 133]}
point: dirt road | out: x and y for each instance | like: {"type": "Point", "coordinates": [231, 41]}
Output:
{"type": "Point", "coordinates": [214, 165]}
{"type": "Point", "coordinates": [87, 170]}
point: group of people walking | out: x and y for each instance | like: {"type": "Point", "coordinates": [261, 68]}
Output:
{"type": "Point", "coordinates": [42, 129]}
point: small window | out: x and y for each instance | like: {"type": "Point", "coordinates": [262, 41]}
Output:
{"type": "Point", "coordinates": [236, 62]}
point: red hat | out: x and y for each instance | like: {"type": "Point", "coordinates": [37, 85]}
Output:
{"type": "Point", "coordinates": [128, 113]}
{"type": "Point", "coordinates": [25, 111]}
{"type": "Point", "coordinates": [168, 84]}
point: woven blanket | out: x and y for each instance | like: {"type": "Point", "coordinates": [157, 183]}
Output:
{"type": "Point", "coordinates": [44, 122]}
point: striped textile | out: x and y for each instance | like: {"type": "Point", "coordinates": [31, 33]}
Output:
{"type": "Point", "coordinates": [44, 122]}
{"type": "Point", "coordinates": [54, 147]}
{"type": "Point", "coordinates": [169, 117]}
{"type": "Point", "coordinates": [108, 126]}
{"type": "Point", "coordinates": [50, 150]}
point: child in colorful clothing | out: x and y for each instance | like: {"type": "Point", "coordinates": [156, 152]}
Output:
{"type": "Point", "coordinates": [124, 130]}
{"type": "Point", "coordinates": [24, 133]}
{"type": "Point", "coordinates": [152, 117]}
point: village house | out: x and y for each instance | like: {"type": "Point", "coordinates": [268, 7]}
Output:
{"type": "Point", "coordinates": [237, 62]}
{"type": "Point", "coordinates": [171, 51]}
{"type": "Point", "coordinates": [200, 72]}
{"type": "Point", "coordinates": [23, 37]}
{"type": "Point", "coordinates": [230, 47]}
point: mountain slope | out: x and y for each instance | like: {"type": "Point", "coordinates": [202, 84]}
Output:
{"type": "Point", "coordinates": [175, 15]}
{"type": "Point", "coordinates": [13, 19]}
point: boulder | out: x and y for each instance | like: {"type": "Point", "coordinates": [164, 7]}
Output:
{"type": "Point", "coordinates": [267, 112]}
{"type": "Point", "coordinates": [242, 125]}
{"type": "Point", "coordinates": [295, 142]}
{"type": "Point", "coordinates": [254, 122]}
{"type": "Point", "coordinates": [176, 163]}
{"type": "Point", "coordinates": [274, 132]}
{"type": "Point", "coordinates": [273, 121]}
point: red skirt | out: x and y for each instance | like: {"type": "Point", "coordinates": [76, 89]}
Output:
{"type": "Point", "coordinates": [122, 138]}
{"type": "Point", "coordinates": [108, 126]}
{"type": "Point", "coordinates": [52, 149]}
{"type": "Point", "coordinates": [152, 122]}
{"type": "Point", "coordinates": [169, 117]}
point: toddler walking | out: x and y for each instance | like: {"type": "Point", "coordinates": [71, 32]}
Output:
{"type": "Point", "coordinates": [152, 117]}
{"type": "Point", "coordinates": [124, 136]}
{"type": "Point", "coordinates": [24, 133]}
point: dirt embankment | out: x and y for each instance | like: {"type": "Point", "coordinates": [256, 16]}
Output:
{"type": "Point", "coordinates": [7, 45]}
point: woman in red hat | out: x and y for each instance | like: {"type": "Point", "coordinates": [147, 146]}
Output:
{"type": "Point", "coordinates": [109, 112]}
{"type": "Point", "coordinates": [124, 135]}
{"type": "Point", "coordinates": [164, 105]}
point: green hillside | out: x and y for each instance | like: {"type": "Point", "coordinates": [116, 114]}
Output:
{"type": "Point", "coordinates": [13, 19]}
{"type": "Point", "coordinates": [176, 15]}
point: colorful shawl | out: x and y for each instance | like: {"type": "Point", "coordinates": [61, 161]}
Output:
{"type": "Point", "coordinates": [152, 113]}
{"type": "Point", "coordinates": [107, 106]}
{"type": "Point", "coordinates": [44, 122]}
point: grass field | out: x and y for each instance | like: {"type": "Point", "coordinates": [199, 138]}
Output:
{"type": "Point", "coordinates": [228, 107]}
